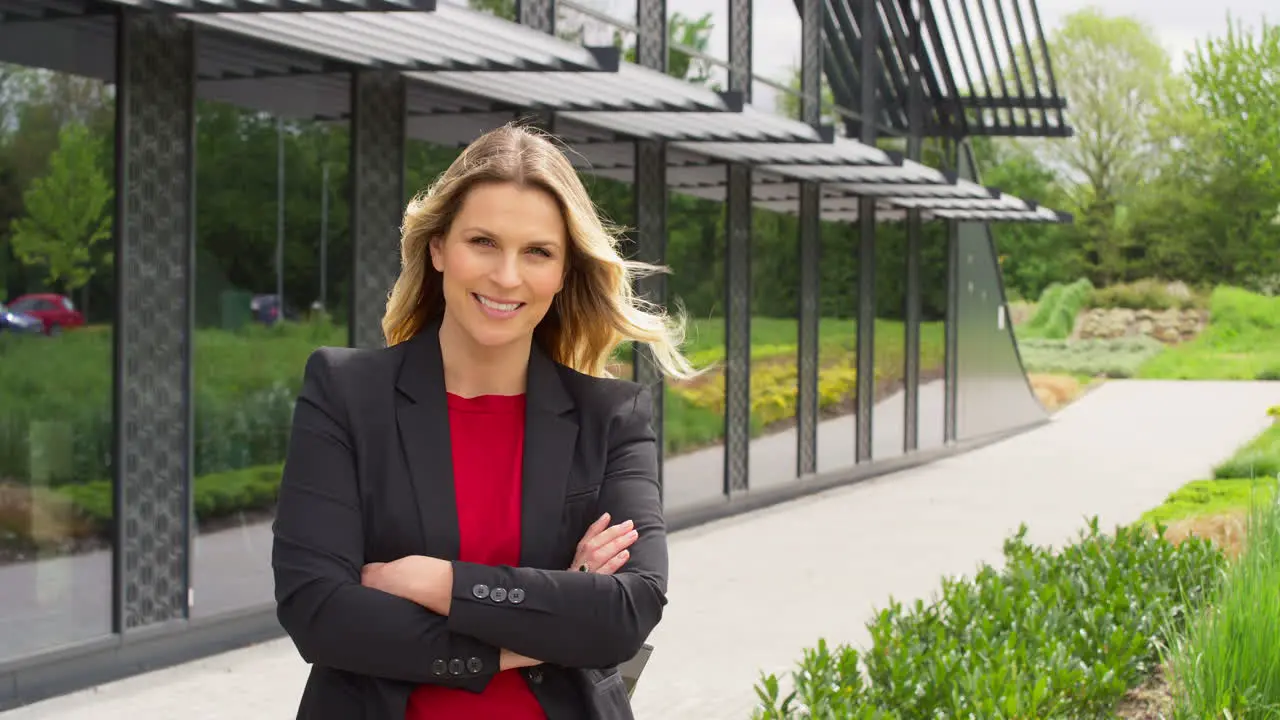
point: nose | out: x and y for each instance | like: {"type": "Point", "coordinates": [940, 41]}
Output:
{"type": "Point", "coordinates": [507, 272]}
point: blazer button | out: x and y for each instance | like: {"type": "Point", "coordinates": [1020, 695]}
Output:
{"type": "Point", "coordinates": [516, 596]}
{"type": "Point", "coordinates": [535, 676]}
{"type": "Point", "coordinates": [455, 667]}
{"type": "Point", "coordinates": [480, 591]}
{"type": "Point", "coordinates": [439, 667]}
{"type": "Point", "coordinates": [498, 594]}
{"type": "Point", "coordinates": [474, 665]}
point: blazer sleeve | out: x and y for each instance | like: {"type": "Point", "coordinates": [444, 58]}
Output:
{"type": "Point", "coordinates": [577, 619]}
{"type": "Point", "coordinates": [318, 553]}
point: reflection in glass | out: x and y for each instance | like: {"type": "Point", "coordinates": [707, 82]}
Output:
{"type": "Point", "coordinates": [837, 345]}
{"type": "Point", "coordinates": [775, 338]}
{"type": "Point", "coordinates": [933, 314]}
{"type": "Point", "coordinates": [775, 56]}
{"type": "Point", "coordinates": [693, 428]}
{"type": "Point", "coordinates": [889, 411]}
{"type": "Point", "coordinates": [251, 343]}
{"type": "Point", "coordinates": [57, 178]}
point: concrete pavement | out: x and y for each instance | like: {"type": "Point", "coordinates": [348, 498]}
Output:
{"type": "Point", "coordinates": [749, 593]}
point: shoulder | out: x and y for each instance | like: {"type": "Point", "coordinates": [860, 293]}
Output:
{"type": "Point", "coordinates": [340, 373]}
{"type": "Point", "coordinates": [606, 398]}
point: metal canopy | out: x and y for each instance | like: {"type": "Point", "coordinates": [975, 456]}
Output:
{"type": "Point", "coordinates": [468, 72]}
{"type": "Point", "coordinates": [996, 48]}
{"type": "Point", "coordinates": [448, 37]}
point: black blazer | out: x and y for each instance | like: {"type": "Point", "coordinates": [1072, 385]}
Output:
{"type": "Point", "coordinates": [369, 478]}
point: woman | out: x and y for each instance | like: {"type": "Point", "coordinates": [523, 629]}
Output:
{"type": "Point", "coordinates": [470, 517]}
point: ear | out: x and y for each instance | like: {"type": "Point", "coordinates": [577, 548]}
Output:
{"type": "Point", "coordinates": [436, 245]}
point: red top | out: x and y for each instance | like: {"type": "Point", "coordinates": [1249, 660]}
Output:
{"type": "Point", "coordinates": [487, 435]}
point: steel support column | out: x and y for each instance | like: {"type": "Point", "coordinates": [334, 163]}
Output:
{"type": "Point", "coordinates": [911, 326]}
{"type": "Point", "coordinates": [154, 255]}
{"type": "Point", "coordinates": [538, 14]}
{"type": "Point", "coordinates": [377, 198]}
{"type": "Point", "coordinates": [650, 198]}
{"type": "Point", "coordinates": [865, 383]}
{"type": "Point", "coordinates": [807, 363]}
{"type": "Point", "coordinates": [737, 275]}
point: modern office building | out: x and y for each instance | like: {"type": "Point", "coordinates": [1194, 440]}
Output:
{"type": "Point", "coordinates": [232, 173]}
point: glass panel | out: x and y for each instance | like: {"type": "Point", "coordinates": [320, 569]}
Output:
{"type": "Point", "coordinates": [250, 347]}
{"type": "Point", "coordinates": [933, 342]}
{"type": "Point", "coordinates": [775, 338]}
{"type": "Point", "coordinates": [693, 427]}
{"type": "Point", "coordinates": [601, 24]}
{"type": "Point", "coordinates": [775, 56]}
{"type": "Point", "coordinates": [890, 409]}
{"type": "Point", "coordinates": [701, 26]}
{"type": "Point", "coordinates": [837, 345]}
{"type": "Point", "coordinates": [57, 182]}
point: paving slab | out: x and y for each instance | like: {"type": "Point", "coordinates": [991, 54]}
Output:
{"type": "Point", "coordinates": [749, 593]}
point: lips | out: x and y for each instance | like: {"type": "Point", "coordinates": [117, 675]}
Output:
{"type": "Point", "coordinates": [497, 308]}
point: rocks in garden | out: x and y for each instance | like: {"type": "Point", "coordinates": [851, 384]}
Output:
{"type": "Point", "coordinates": [1168, 326]}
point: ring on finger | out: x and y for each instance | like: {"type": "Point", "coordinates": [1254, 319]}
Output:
{"type": "Point", "coordinates": [584, 568]}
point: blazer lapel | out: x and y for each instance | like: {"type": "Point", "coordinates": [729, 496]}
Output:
{"type": "Point", "coordinates": [550, 440]}
{"type": "Point", "coordinates": [422, 419]}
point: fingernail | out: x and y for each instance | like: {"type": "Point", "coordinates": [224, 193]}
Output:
{"type": "Point", "coordinates": [633, 534]}
{"type": "Point", "coordinates": [625, 554]}
{"type": "Point", "coordinates": [628, 524]}
{"type": "Point", "coordinates": [603, 517]}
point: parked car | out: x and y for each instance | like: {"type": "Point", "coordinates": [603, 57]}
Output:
{"type": "Point", "coordinates": [55, 312]}
{"type": "Point", "coordinates": [266, 309]}
{"type": "Point", "coordinates": [16, 322]}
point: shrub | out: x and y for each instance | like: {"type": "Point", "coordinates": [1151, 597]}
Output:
{"type": "Point", "coordinates": [1226, 662]}
{"type": "Point", "coordinates": [1052, 635]}
{"type": "Point", "coordinates": [1258, 458]}
{"type": "Point", "coordinates": [1144, 295]}
{"type": "Point", "coordinates": [773, 390]}
{"type": "Point", "coordinates": [216, 495]}
{"type": "Point", "coordinates": [1210, 497]}
{"type": "Point", "coordinates": [1238, 344]}
{"type": "Point", "coordinates": [1056, 313]}
{"type": "Point", "coordinates": [1116, 358]}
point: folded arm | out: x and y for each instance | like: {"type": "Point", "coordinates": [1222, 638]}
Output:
{"type": "Point", "coordinates": [578, 619]}
{"type": "Point", "coordinates": [318, 554]}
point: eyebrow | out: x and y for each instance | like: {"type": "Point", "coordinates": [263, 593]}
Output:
{"type": "Point", "coordinates": [488, 233]}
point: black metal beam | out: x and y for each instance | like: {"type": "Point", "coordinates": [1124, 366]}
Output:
{"type": "Point", "coordinates": [865, 381]}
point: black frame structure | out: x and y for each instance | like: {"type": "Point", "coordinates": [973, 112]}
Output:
{"type": "Point", "coordinates": [435, 70]}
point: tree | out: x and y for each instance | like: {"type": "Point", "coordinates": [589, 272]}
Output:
{"type": "Point", "coordinates": [67, 213]}
{"type": "Point", "coordinates": [1112, 70]}
{"type": "Point", "coordinates": [1211, 214]}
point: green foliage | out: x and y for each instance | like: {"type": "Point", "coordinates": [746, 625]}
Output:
{"type": "Point", "coordinates": [215, 496]}
{"type": "Point", "coordinates": [1116, 358]}
{"type": "Point", "coordinates": [1225, 663]}
{"type": "Point", "coordinates": [1051, 635]}
{"type": "Point", "coordinates": [1210, 497]}
{"type": "Point", "coordinates": [1056, 313]}
{"type": "Point", "coordinates": [1146, 294]}
{"type": "Point", "coordinates": [1260, 457]}
{"type": "Point", "coordinates": [1239, 343]}
{"type": "Point", "coordinates": [67, 228]}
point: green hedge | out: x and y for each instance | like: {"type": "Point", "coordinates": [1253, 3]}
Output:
{"type": "Point", "coordinates": [217, 495]}
{"type": "Point", "coordinates": [1240, 343]}
{"type": "Point", "coordinates": [1051, 635]}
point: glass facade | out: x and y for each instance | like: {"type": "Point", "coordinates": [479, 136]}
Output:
{"type": "Point", "coordinates": [57, 320]}
{"type": "Point", "coordinates": [173, 248]}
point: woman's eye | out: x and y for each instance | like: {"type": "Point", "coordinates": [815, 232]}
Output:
{"type": "Point", "coordinates": [481, 241]}
{"type": "Point", "coordinates": [540, 251]}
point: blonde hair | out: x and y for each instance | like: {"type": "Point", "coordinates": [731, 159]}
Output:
{"type": "Point", "coordinates": [596, 310]}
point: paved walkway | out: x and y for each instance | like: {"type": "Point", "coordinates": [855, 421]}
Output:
{"type": "Point", "coordinates": [749, 593]}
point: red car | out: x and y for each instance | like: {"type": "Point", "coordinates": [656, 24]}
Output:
{"type": "Point", "coordinates": [56, 311]}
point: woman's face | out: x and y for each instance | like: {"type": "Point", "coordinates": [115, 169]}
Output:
{"type": "Point", "coordinates": [503, 261]}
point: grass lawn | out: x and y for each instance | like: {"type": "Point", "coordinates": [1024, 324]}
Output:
{"type": "Point", "coordinates": [1242, 342]}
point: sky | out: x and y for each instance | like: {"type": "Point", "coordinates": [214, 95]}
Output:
{"type": "Point", "coordinates": [1177, 23]}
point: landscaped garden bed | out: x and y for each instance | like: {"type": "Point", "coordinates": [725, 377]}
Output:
{"type": "Point", "coordinates": [1175, 617]}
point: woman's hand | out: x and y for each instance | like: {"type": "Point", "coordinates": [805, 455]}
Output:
{"type": "Point", "coordinates": [603, 549]}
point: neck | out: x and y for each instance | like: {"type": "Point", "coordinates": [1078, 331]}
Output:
{"type": "Point", "coordinates": [471, 369]}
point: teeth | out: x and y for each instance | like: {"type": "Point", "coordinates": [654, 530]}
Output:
{"type": "Point", "coordinates": [503, 307]}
